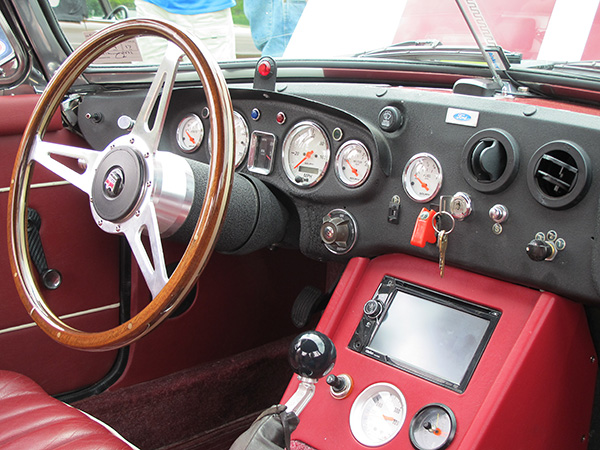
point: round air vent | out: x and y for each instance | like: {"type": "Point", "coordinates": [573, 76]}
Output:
{"type": "Point", "coordinates": [490, 160]}
{"type": "Point", "coordinates": [559, 174]}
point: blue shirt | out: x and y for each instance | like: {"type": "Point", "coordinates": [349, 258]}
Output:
{"type": "Point", "coordinates": [189, 7]}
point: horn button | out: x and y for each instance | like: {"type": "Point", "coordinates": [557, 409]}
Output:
{"type": "Point", "coordinates": [118, 184]}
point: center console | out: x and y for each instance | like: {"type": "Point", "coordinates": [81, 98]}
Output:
{"type": "Point", "coordinates": [463, 361]}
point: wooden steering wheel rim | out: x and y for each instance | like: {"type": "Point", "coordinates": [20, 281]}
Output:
{"type": "Point", "coordinates": [213, 209]}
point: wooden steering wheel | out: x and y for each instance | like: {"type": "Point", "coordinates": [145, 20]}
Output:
{"type": "Point", "coordinates": [155, 196]}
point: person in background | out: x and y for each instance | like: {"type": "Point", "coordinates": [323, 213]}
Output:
{"type": "Point", "coordinates": [272, 23]}
{"type": "Point", "coordinates": [209, 20]}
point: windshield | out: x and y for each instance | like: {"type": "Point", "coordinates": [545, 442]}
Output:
{"type": "Point", "coordinates": [532, 33]}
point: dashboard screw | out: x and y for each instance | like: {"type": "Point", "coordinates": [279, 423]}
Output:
{"type": "Point", "coordinates": [132, 140]}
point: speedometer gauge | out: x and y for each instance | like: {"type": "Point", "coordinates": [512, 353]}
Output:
{"type": "Point", "coordinates": [422, 177]}
{"type": "Point", "coordinates": [377, 414]}
{"type": "Point", "coordinates": [353, 163]}
{"type": "Point", "coordinates": [189, 134]}
{"type": "Point", "coordinates": [305, 154]}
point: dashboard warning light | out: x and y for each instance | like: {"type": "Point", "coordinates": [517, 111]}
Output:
{"type": "Point", "coordinates": [264, 68]}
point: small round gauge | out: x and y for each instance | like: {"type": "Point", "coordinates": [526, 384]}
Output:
{"type": "Point", "coordinates": [433, 427]}
{"type": "Point", "coordinates": [422, 177]}
{"type": "Point", "coordinates": [305, 154]}
{"type": "Point", "coordinates": [377, 414]}
{"type": "Point", "coordinates": [190, 132]}
{"type": "Point", "coordinates": [353, 163]}
{"type": "Point", "coordinates": [242, 138]}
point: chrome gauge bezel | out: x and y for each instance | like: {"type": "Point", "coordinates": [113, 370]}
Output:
{"type": "Point", "coordinates": [183, 128]}
{"type": "Point", "coordinates": [433, 427]}
{"type": "Point", "coordinates": [430, 172]}
{"type": "Point", "coordinates": [242, 139]}
{"type": "Point", "coordinates": [288, 159]}
{"type": "Point", "coordinates": [360, 171]}
{"type": "Point", "coordinates": [365, 427]}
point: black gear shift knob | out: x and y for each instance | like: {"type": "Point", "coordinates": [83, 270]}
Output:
{"type": "Point", "coordinates": [312, 354]}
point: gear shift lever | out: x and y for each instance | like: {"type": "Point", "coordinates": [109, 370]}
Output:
{"type": "Point", "coordinates": [312, 356]}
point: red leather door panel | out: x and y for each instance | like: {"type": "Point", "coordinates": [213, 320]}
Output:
{"type": "Point", "coordinates": [87, 258]}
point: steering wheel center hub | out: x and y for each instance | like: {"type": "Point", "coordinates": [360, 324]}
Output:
{"type": "Point", "coordinates": [118, 184]}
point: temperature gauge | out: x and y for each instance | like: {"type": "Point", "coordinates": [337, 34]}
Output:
{"type": "Point", "coordinates": [422, 177]}
{"type": "Point", "coordinates": [353, 163]}
{"type": "Point", "coordinates": [433, 427]}
{"type": "Point", "coordinates": [189, 134]}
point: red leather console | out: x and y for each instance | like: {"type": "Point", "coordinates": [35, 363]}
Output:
{"type": "Point", "coordinates": [532, 388]}
{"type": "Point", "coordinates": [31, 419]}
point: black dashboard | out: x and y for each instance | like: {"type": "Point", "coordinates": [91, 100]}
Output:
{"type": "Point", "coordinates": [532, 165]}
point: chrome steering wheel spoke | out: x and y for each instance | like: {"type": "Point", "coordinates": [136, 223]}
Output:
{"type": "Point", "coordinates": [151, 265]}
{"type": "Point", "coordinates": [160, 91]}
{"type": "Point", "coordinates": [42, 152]}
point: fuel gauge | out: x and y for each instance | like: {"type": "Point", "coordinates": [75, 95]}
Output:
{"type": "Point", "coordinates": [433, 427]}
{"type": "Point", "coordinates": [353, 163]}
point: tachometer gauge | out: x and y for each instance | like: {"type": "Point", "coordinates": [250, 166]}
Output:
{"type": "Point", "coordinates": [305, 154]}
{"type": "Point", "coordinates": [242, 138]}
{"type": "Point", "coordinates": [377, 414]}
{"type": "Point", "coordinates": [433, 427]}
{"type": "Point", "coordinates": [422, 177]}
{"type": "Point", "coordinates": [189, 134]}
{"type": "Point", "coordinates": [353, 163]}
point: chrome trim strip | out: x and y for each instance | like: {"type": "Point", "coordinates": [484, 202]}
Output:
{"type": "Point", "coordinates": [39, 185]}
{"type": "Point", "coordinates": [66, 316]}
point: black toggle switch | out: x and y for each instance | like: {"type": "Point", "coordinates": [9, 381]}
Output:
{"type": "Point", "coordinates": [539, 250]}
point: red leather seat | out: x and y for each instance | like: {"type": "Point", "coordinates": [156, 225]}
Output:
{"type": "Point", "coordinates": [31, 419]}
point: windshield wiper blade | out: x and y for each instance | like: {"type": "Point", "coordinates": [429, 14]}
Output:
{"type": "Point", "coordinates": [434, 52]}
{"type": "Point", "coordinates": [401, 46]}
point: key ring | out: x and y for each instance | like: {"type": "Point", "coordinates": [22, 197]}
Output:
{"type": "Point", "coordinates": [437, 216]}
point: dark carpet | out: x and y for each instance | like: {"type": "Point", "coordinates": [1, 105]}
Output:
{"type": "Point", "coordinates": [204, 407]}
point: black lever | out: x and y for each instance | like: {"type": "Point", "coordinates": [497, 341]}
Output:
{"type": "Point", "coordinates": [51, 278]}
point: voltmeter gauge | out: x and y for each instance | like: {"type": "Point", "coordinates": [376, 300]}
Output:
{"type": "Point", "coordinates": [377, 414]}
{"type": "Point", "coordinates": [433, 427]}
{"type": "Point", "coordinates": [422, 177]}
{"type": "Point", "coordinates": [189, 134]}
{"type": "Point", "coordinates": [353, 163]}
{"type": "Point", "coordinates": [305, 154]}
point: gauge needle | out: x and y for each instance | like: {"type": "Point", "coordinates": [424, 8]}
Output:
{"type": "Point", "coordinates": [354, 171]}
{"type": "Point", "coordinates": [423, 185]}
{"type": "Point", "coordinates": [308, 155]}
{"type": "Point", "coordinates": [391, 419]}
{"type": "Point", "coordinates": [193, 141]}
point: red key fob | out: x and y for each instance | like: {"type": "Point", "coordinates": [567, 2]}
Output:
{"type": "Point", "coordinates": [424, 231]}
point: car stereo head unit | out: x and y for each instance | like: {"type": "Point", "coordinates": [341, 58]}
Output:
{"type": "Point", "coordinates": [428, 334]}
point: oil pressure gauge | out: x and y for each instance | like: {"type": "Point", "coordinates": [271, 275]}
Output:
{"type": "Point", "coordinates": [353, 163]}
{"type": "Point", "coordinates": [190, 132]}
{"type": "Point", "coordinates": [377, 414]}
{"type": "Point", "coordinates": [433, 427]}
{"type": "Point", "coordinates": [422, 177]}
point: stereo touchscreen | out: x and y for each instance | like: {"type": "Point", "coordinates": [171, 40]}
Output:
{"type": "Point", "coordinates": [429, 334]}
